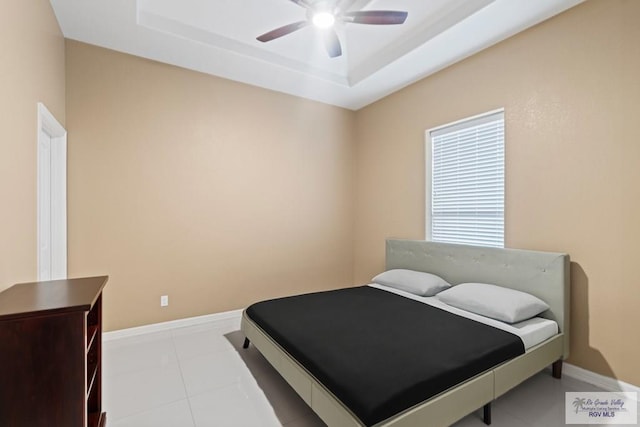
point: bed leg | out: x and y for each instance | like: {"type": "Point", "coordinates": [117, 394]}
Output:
{"type": "Point", "coordinates": [246, 343]}
{"type": "Point", "coordinates": [556, 369]}
{"type": "Point", "coordinates": [486, 414]}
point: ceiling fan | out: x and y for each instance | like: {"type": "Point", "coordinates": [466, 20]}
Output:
{"type": "Point", "coordinates": [325, 13]}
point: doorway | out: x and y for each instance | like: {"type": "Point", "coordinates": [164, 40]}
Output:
{"type": "Point", "coordinates": [52, 197]}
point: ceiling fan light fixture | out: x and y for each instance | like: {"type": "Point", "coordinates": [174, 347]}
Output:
{"type": "Point", "coordinates": [323, 14]}
{"type": "Point", "coordinates": [323, 19]}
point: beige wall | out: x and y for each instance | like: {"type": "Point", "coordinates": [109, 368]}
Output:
{"type": "Point", "coordinates": [216, 193]}
{"type": "Point", "coordinates": [571, 92]}
{"type": "Point", "coordinates": [31, 71]}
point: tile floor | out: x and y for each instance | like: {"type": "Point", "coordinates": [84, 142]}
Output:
{"type": "Point", "coordinates": [199, 376]}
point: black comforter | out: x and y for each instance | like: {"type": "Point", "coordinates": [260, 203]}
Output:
{"type": "Point", "coordinates": [380, 353]}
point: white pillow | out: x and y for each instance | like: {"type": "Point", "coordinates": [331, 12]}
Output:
{"type": "Point", "coordinates": [415, 282]}
{"type": "Point", "coordinates": [496, 302]}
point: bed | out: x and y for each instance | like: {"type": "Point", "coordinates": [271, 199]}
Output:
{"type": "Point", "coordinates": [329, 389]}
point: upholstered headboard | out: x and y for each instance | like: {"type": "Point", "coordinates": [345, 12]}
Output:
{"type": "Point", "coordinates": [543, 274]}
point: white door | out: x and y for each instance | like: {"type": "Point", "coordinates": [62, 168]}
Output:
{"type": "Point", "coordinates": [44, 206]}
{"type": "Point", "coordinates": [52, 197]}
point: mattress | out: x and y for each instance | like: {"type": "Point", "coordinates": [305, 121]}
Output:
{"type": "Point", "coordinates": [380, 353]}
{"type": "Point", "coordinates": [531, 331]}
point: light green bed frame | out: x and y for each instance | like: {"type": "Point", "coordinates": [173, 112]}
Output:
{"type": "Point", "coordinates": [543, 274]}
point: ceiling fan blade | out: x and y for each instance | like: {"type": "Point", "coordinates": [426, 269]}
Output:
{"type": "Point", "coordinates": [375, 17]}
{"type": "Point", "coordinates": [332, 43]}
{"type": "Point", "coordinates": [302, 3]}
{"type": "Point", "coordinates": [282, 31]}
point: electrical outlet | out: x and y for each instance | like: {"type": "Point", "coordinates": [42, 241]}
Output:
{"type": "Point", "coordinates": [164, 300]}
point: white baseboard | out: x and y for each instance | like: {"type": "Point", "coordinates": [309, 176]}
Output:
{"type": "Point", "coordinates": [605, 383]}
{"type": "Point", "coordinates": [164, 326]}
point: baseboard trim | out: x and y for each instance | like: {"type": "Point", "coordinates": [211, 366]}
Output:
{"type": "Point", "coordinates": [164, 326]}
{"type": "Point", "coordinates": [604, 382]}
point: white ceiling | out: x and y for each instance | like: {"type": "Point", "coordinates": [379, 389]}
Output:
{"type": "Point", "coordinates": [218, 37]}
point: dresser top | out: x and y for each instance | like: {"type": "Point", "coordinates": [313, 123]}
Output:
{"type": "Point", "coordinates": [51, 297]}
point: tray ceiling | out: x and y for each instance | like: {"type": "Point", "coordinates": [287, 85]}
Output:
{"type": "Point", "coordinates": [218, 37]}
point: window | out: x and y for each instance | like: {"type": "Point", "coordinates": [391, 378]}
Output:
{"type": "Point", "coordinates": [465, 176]}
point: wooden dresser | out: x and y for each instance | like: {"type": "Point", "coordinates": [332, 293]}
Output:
{"type": "Point", "coordinates": [51, 354]}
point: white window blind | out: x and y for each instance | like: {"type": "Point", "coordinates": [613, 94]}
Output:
{"type": "Point", "coordinates": [467, 194]}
